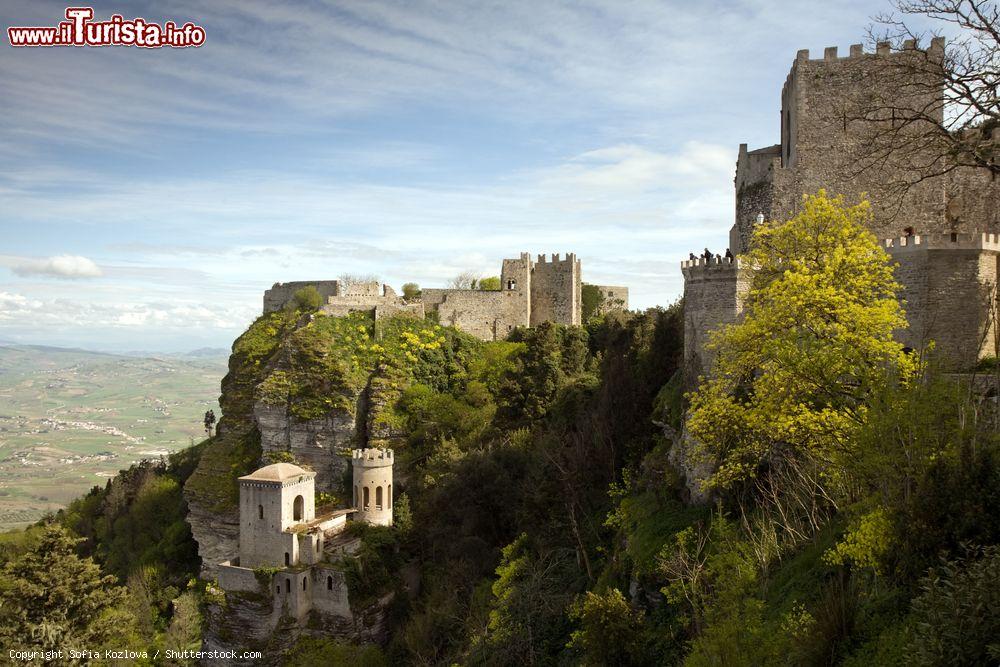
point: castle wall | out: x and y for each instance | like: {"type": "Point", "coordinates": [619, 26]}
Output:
{"type": "Point", "coordinates": [477, 312]}
{"type": "Point", "coordinates": [530, 293]}
{"type": "Point", "coordinates": [613, 297]}
{"type": "Point", "coordinates": [329, 592]}
{"type": "Point", "coordinates": [555, 290]}
{"type": "Point", "coordinates": [949, 287]}
{"type": "Point", "coordinates": [714, 293]}
{"type": "Point", "coordinates": [282, 294]}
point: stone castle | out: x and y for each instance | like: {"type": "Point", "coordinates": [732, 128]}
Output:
{"type": "Point", "coordinates": [531, 292]}
{"type": "Point", "coordinates": [287, 552]}
{"type": "Point", "coordinates": [944, 232]}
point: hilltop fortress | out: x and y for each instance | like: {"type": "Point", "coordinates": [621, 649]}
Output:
{"type": "Point", "coordinates": [531, 292]}
{"type": "Point", "coordinates": [943, 232]}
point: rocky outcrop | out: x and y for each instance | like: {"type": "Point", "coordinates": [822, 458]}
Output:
{"type": "Point", "coordinates": [693, 469]}
{"type": "Point", "coordinates": [217, 534]}
{"type": "Point", "coordinates": [314, 443]}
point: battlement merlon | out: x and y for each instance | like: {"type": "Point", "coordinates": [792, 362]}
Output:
{"type": "Point", "coordinates": [948, 241]}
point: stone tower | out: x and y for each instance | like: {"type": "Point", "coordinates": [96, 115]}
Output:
{"type": "Point", "coordinates": [273, 499]}
{"type": "Point", "coordinates": [714, 291]}
{"type": "Point", "coordinates": [556, 290]}
{"type": "Point", "coordinates": [373, 486]}
{"type": "Point", "coordinates": [822, 140]}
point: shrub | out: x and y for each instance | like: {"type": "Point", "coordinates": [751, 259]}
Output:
{"type": "Point", "coordinates": [411, 291]}
{"type": "Point", "coordinates": [308, 298]}
{"type": "Point", "coordinates": [957, 616]}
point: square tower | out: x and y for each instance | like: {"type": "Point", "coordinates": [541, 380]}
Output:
{"type": "Point", "coordinates": [556, 290]}
{"type": "Point", "coordinates": [272, 500]}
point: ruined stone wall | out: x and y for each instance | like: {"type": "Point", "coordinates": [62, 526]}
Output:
{"type": "Point", "coordinates": [613, 297]}
{"type": "Point", "coordinates": [949, 283]}
{"type": "Point", "coordinates": [556, 290]}
{"type": "Point", "coordinates": [714, 293]}
{"type": "Point", "coordinates": [282, 294]}
{"type": "Point", "coordinates": [477, 312]}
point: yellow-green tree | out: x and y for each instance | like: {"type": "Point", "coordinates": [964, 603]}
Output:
{"type": "Point", "coordinates": [815, 343]}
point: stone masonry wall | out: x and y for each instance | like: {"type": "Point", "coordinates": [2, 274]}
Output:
{"type": "Point", "coordinates": [281, 294]}
{"type": "Point", "coordinates": [949, 284]}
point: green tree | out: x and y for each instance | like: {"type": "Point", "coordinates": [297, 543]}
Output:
{"type": "Point", "coordinates": [491, 283]}
{"type": "Point", "coordinates": [816, 342]}
{"type": "Point", "coordinates": [590, 301]}
{"type": "Point", "coordinates": [529, 599]}
{"type": "Point", "coordinates": [308, 298]}
{"type": "Point", "coordinates": [411, 291]}
{"type": "Point", "coordinates": [51, 599]}
{"type": "Point", "coordinates": [610, 630]}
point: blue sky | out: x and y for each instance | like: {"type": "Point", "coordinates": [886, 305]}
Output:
{"type": "Point", "coordinates": [149, 197]}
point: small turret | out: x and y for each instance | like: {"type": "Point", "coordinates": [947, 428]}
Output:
{"type": "Point", "coordinates": [373, 486]}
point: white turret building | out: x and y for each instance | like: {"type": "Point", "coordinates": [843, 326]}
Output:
{"type": "Point", "coordinates": [285, 548]}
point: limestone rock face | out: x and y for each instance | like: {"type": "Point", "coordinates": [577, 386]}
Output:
{"type": "Point", "coordinates": [217, 534]}
{"type": "Point", "coordinates": [251, 622]}
{"type": "Point", "coordinates": [313, 443]}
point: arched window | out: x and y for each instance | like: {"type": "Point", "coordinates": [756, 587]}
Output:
{"type": "Point", "coordinates": [511, 284]}
{"type": "Point", "coordinates": [277, 589]}
{"type": "Point", "coordinates": [297, 508]}
{"type": "Point", "coordinates": [288, 560]}
{"type": "Point", "coordinates": [388, 497]}
{"type": "Point", "coordinates": [355, 496]}
{"type": "Point", "coordinates": [378, 497]}
{"type": "Point", "coordinates": [329, 583]}
{"type": "Point", "coordinates": [365, 494]}
{"type": "Point", "coordinates": [303, 584]}
{"type": "Point", "coordinates": [260, 511]}
{"type": "Point", "coordinates": [288, 584]}
{"type": "Point", "coordinates": [317, 546]}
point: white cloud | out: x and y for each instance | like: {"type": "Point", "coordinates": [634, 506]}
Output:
{"type": "Point", "coordinates": [70, 267]}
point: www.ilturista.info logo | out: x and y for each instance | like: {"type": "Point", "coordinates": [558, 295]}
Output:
{"type": "Point", "coordinates": [80, 30]}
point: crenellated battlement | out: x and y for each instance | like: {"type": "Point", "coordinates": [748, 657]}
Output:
{"type": "Point", "coordinates": [953, 241]}
{"type": "Point", "coordinates": [569, 259]}
{"type": "Point", "coordinates": [715, 262]}
{"type": "Point", "coordinates": [374, 456]}
{"type": "Point", "coordinates": [856, 51]}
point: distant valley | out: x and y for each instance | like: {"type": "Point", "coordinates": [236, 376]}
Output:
{"type": "Point", "coordinates": [70, 419]}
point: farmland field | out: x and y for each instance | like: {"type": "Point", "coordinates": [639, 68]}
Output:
{"type": "Point", "coordinates": [70, 419]}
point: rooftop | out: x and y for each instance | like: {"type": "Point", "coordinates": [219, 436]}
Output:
{"type": "Point", "coordinates": [276, 472]}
